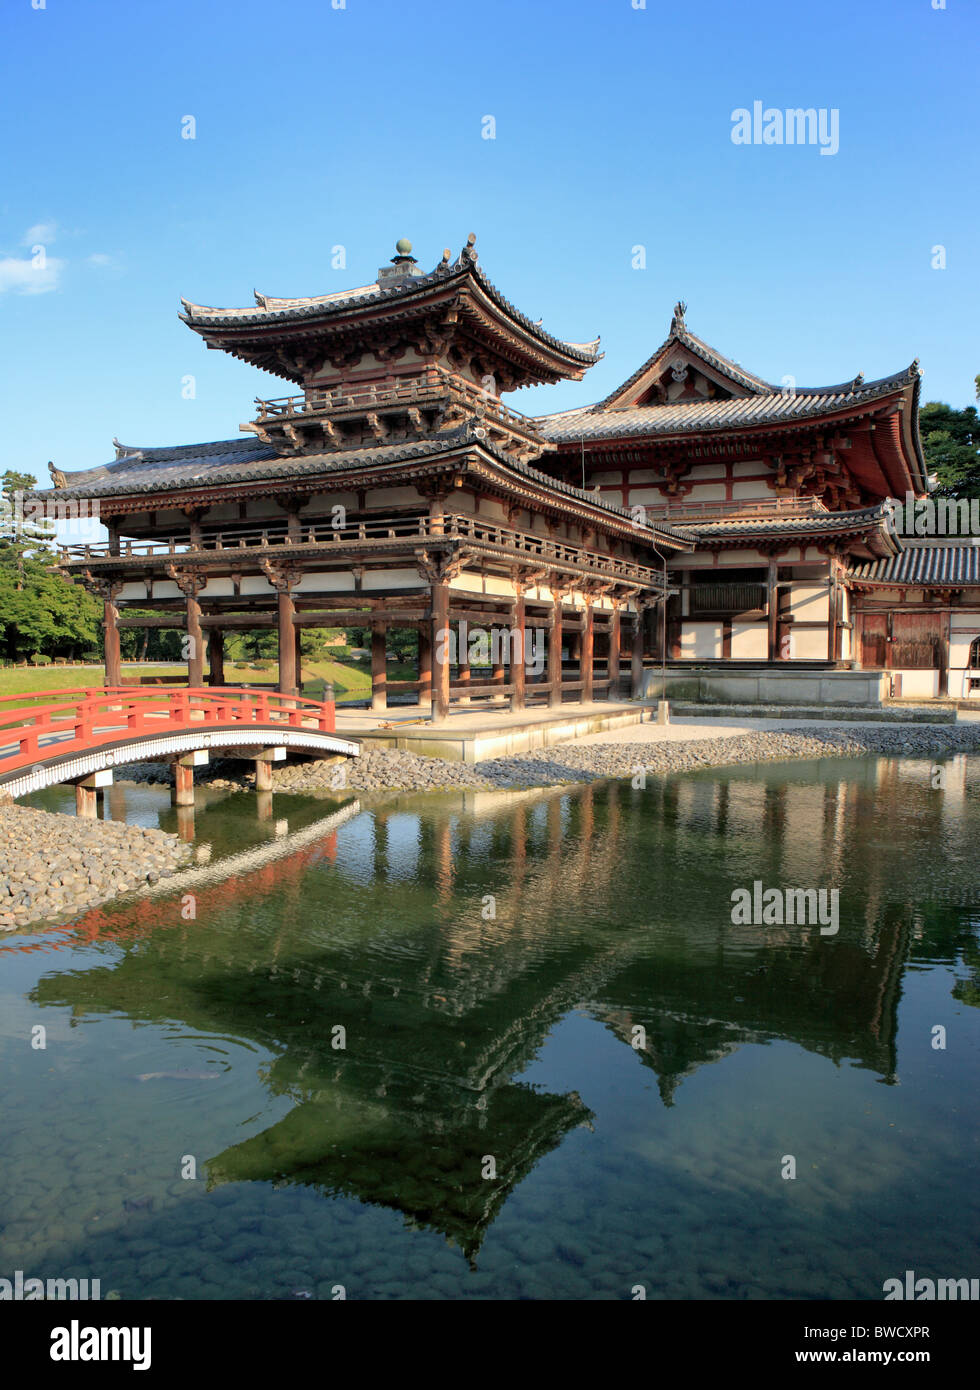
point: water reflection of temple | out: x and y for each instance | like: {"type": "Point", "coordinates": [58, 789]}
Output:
{"type": "Point", "coordinates": [609, 900]}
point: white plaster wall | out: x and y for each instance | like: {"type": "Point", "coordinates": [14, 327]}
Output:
{"type": "Point", "coordinates": [391, 578]}
{"type": "Point", "coordinates": [256, 584]}
{"type": "Point", "coordinates": [809, 644]}
{"type": "Point", "coordinates": [166, 588]}
{"type": "Point", "coordinates": [217, 588]}
{"type": "Point", "coordinates": [700, 639]}
{"type": "Point", "coordinates": [758, 489]}
{"type": "Point", "coordinates": [133, 591]}
{"type": "Point", "coordinates": [392, 497]}
{"type": "Point", "coordinates": [750, 641]}
{"type": "Point", "coordinates": [810, 603]}
{"type": "Point", "coordinates": [918, 684]}
{"type": "Point", "coordinates": [323, 504]}
{"type": "Point", "coordinates": [326, 582]}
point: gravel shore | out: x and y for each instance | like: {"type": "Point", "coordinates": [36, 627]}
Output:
{"type": "Point", "coordinates": [383, 769]}
{"type": "Point", "coordinates": [53, 865]}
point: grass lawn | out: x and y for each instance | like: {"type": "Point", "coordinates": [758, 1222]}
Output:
{"type": "Point", "coordinates": [351, 680]}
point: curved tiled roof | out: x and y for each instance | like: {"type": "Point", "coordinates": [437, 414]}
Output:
{"type": "Point", "coordinates": [772, 406]}
{"type": "Point", "coordinates": [926, 565]}
{"type": "Point", "coordinates": [270, 310]}
{"type": "Point", "coordinates": [822, 523]}
{"type": "Point", "coordinates": [248, 460]}
{"type": "Point", "coordinates": [680, 335]}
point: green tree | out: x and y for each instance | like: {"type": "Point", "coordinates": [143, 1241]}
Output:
{"type": "Point", "coordinates": [41, 611]}
{"type": "Point", "coordinates": [951, 445]}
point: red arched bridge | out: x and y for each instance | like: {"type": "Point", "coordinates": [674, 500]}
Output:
{"type": "Point", "coordinates": [80, 735]}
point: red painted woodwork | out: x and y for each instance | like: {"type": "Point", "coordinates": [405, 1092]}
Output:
{"type": "Point", "coordinates": [81, 720]}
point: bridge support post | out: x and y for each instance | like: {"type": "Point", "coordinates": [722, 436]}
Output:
{"type": "Point", "coordinates": [263, 767]}
{"type": "Point", "coordinates": [87, 793]}
{"type": "Point", "coordinates": [182, 792]}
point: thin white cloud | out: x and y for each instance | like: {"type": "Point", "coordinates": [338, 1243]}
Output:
{"type": "Point", "coordinates": [41, 234]}
{"type": "Point", "coordinates": [38, 275]}
{"type": "Point", "coordinates": [99, 258]}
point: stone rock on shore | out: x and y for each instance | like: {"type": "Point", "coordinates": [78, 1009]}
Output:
{"type": "Point", "coordinates": [592, 762]}
{"type": "Point", "coordinates": [53, 866]}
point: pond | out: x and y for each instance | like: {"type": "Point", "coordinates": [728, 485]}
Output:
{"type": "Point", "coordinates": [511, 1045]}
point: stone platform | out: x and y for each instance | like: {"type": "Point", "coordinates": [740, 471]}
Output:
{"type": "Point", "coordinates": [470, 735]}
{"type": "Point", "coordinates": [874, 714]}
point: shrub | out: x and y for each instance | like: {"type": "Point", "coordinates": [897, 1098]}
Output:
{"type": "Point", "coordinates": [39, 659]}
{"type": "Point", "coordinates": [262, 665]}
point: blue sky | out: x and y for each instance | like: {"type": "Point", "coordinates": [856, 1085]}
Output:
{"type": "Point", "coordinates": [318, 127]}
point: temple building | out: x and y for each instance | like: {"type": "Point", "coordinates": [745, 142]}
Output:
{"type": "Point", "coordinates": [696, 506]}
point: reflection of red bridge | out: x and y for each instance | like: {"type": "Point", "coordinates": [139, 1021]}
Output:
{"type": "Point", "coordinates": [275, 868]}
{"type": "Point", "coordinates": [84, 732]}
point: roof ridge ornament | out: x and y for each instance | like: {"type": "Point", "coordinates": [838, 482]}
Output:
{"type": "Point", "coordinates": [124, 451]}
{"type": "Point", "coordinates": [468, 256]}
{"type": "Point", "coordinates": [677, 324]}
{"type": "Point", "coordinates": [57, 476]}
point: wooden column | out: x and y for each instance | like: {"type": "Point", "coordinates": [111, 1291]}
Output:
{"type": "Point", "coordinates": [216, 656]}
{"type": "Point", "coordinates": [425, 665]}
{"type": "Point", "coordinates": [519, 669]}
{"type": "Point", "coordinates": [614, 641]}
{"type": "Point", "coordinates": [299, 659]}
{"type": "Point", "coordinates": [464, 673]}
{"type": "Point", "coordinates": [943, 687]}
{"type": "Point", "coordinates": [636, 656]}
{"type": "Point", "coordinates": [498, 669]}
{"type": "Point", "coordinates": [194, 515]}
{"type": "Point", "coordinates": [588, 651]}
{"type": "Point", "coordinates": [379, 667]}
{"type": "Point", "coordinates": [287, 643]}
{"type": "Point", "coordinates": [772, 608]}
{"type": "Point", "coordinates": [833, 613]}
{"type": "Point", "coordinates": [440, 642]}
{"type": "Point", "coordinates": [113, 658]}
{"type": "Point", "coordinates": [554, 653]}
{"type": "Point", "coordinates": [195, 641]}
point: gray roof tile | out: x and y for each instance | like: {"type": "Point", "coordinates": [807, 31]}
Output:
{"type": "Point", "coordinates": [926, 565]}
